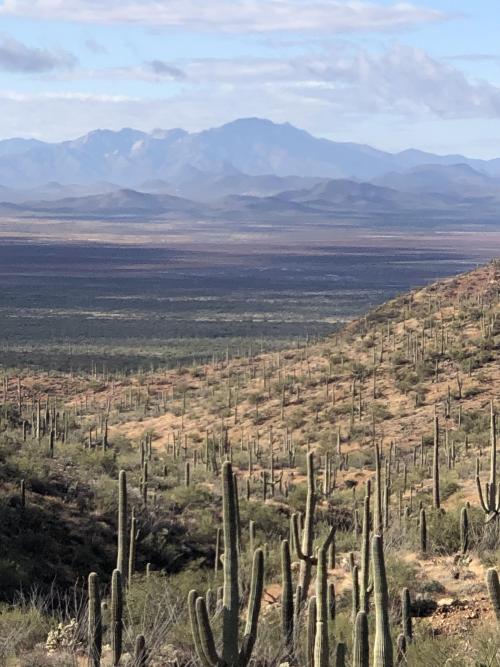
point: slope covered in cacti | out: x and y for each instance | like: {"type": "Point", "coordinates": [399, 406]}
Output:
{"type": "Point", "coordinates": [328, 493]}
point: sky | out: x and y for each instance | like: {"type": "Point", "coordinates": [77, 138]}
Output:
{"type": "Point", "coordinates": [390, 74]}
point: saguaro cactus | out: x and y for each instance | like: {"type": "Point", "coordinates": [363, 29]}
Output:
{"type": "Point", "coordinates": [94, 622]}
{"type": "Point", "coordinates": [23, 493]}
{"type": "Point", "coordinates": [203, 638]}
{"type": "Point", "coordinates": [116, 616]}
{"type": "Point", "coordinates": [406, 615]}
{"type": "Point", "coordinates": [361, 649]}
{"type": "Point", "coordinates": [436, 498]}
{"type": "Point", "coordinates": [490, 500]}
{"type": "Point", "coordinates": [365, 554]}
{"type": "Point", "coordinates": [311, 630]}
{"type": "Point", "coordinates": [340, 654]}
{"type": "Point", "coordinates": [140, 652]}
{"type": "Point", "coordinates": [378, 526]}
{"type": "Point", "coordinates": [287, 610]}
{"type": "Point", "coordinates": [121, 556]}
{"type": "Point", "coordinates": [382, 649]}
{"type": "Point", "coordinates": [423, 531]}
{"type": "Point", "coordinates": [464, 530]}
{"type": "Point", "coordinates": [332, 604]}
{"type": "Point", "coordinates": [217, 550]}
{"type": "Point", "coordinates": [305, 550]}
{"type": "Point", "coordinates": [321, 650]}
{"type": "Point", "coordinates": [494, 591]}
{"type": "Point", "coordinates": [132, 547]}
{"type": "Point", "coordinates": [355, 593]}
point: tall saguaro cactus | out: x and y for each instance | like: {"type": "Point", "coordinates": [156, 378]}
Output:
{"type": "Point", "coordinates": [311, 631]}
{"type": "Point", "coordinates": [321, 650]}
{"type": "Point", "coordinates": [232, 655]}
{"type": "Point", "coordinates": [406, 615]}
{"type": "Point", "coordinates": [305, 550]}
{"type": "Point", "coordinates": [494, 591]}
{"type": "Point", "coordinates": [490, 500]}
{"type": "Point", "coordinates": [132, 547]}
{"type": "Point", "coordinates": [121, 556]}
{"type": "Point", "coordinates": [436, 497]}
{"type": "Point", "coordinates": [287, 608]}
{"type": "Point", "coordinates": [378, 523]}
{"type": "Point", "coordinates": [382, 649]}
{"type": "Point", "coordinates": [140, 652]}
{"type": "Point", "coordinates": [365, 554]}
{"type": "Point", "coordinates": [116, 616]}
{"type": "Point", "coordinates": [423, 531]}
{"type": "Point", "coordinates": [361, 649]}
{"type": "Point", "coordinates": [340, 655]}
{"type": "Point", "coordinates": [464, 530]}
{"type": "Point", "coordinates": [94, 622]}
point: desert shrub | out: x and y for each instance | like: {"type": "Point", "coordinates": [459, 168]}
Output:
{"type": "Point", "coordinates": [39, 657]}
{"type": "Point", "coordinates": [399, 574]}
{"type": "Point", "coordinates": [434, 652]}
{"type": "Point", "coordinates": [444, 532]}
{"type": "Point", "coordinates": [21, 628]}
{"type": "Point", "coordinates": [380, 411]}
{"type": "Point", "coordinates": [156, 609]}
{"type": "Point", "coordinates": [479, 648]}
{"type": "Point", "coordinates": [295, 419]}
{"type": "Point", "coordinates": [270, 520]}
{"type": "Point", "coordinates": [448, 488]}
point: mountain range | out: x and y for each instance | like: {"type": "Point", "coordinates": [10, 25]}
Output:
{"type": "Point", "coordinates": [238, 154]}
{"type": "Point", "coordinates": [339, 199]}
{"type": "Point", "coordinates": [248, 167]}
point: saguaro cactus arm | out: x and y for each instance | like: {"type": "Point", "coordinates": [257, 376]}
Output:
{"type": "Point", "coordinates": [481, 496]}
{"type": "Point", "coordinates": [195, 629]}
{"type": "Point", "coordinates": [298, 548]}
{"type": "Point", "coordinates": [206, 634]}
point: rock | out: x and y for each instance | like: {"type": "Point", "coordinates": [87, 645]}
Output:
{"type": "Point", "coordinates": [422, 606]}
{"type": "Point", "coordinates": [445, 602]}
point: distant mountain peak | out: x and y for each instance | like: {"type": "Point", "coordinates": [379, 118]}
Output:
{"type": "Point", "coordinates": [249, 147]}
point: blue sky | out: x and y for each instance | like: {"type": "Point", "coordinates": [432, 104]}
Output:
{"type": "Point", "coordinates": [391, 74]}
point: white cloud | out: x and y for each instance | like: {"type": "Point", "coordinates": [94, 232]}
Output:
{"type": "Point", "coordinates": [318, 93]}
{"type": "Point", "coordinates": [232, 15]}
{"type": "Point", "coordinates": [17, 57]}
{"type": "Point", "coordinates": [399, 81]}
{"type": "Point", "coordinates": [405, 80]}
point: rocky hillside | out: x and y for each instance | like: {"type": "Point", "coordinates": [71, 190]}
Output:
{"type": "Point", "coordinates": [390, 420]}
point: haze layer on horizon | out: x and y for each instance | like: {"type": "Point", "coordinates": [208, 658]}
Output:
{"type": "Point", "coordinates": [390, 74]}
